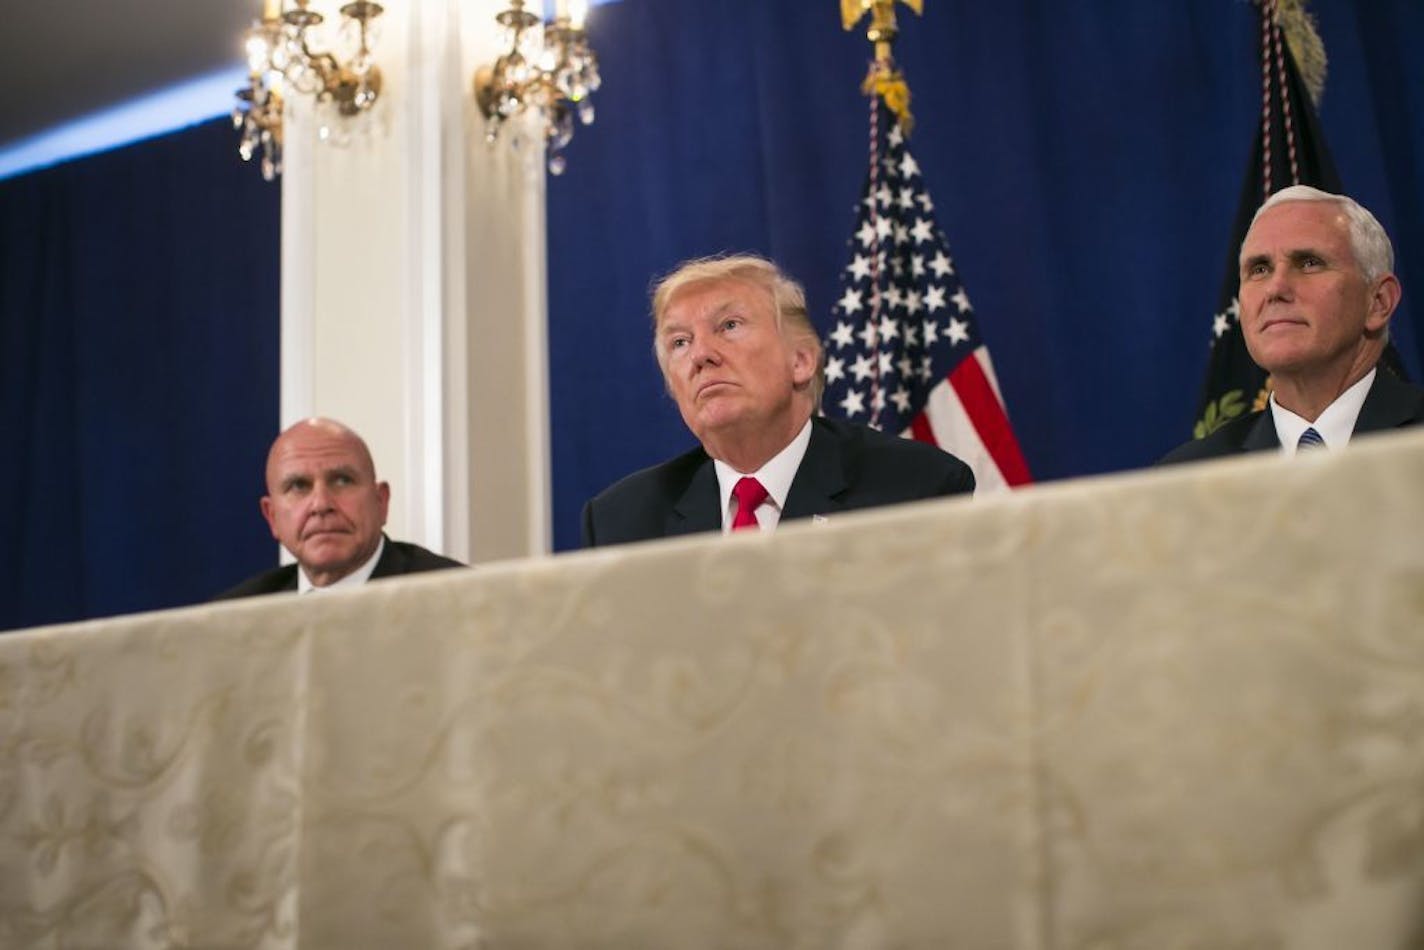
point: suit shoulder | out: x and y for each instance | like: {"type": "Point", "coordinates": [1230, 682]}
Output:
{"type": "Point", "coordinates": [1229, 439]}
{"type": "Point", "coordinates": [635, 507]}
{"type": "Point", "coordinates": [924, 470]}
{"type": "Point", "coordinates": [275, 581]}
{"type": "Point", "coordinates": [665, 480]}
{"type": "Point", "coordinates": [408, 558]}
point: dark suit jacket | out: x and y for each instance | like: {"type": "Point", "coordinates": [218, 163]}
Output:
{"type": "Point", "coordinates": [398, 558]}
{"type": "Point", "coordinates": [1390, 404]}
{"type": "Point", "coordinates": [846, 466]}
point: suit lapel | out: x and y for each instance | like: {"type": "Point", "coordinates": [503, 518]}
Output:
{"type": "Point", "coordinates": [699, 508]}
{"type": "Point", "coordinates": [390, 561]}
{"type": "Point", "coordinates": [1389, 404]}
{"type": "Point", "coordinates": [1262, 434]}
{"type": "Point", "coordinates": [820, 480]}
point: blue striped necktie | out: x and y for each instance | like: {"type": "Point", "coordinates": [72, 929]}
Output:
{"type": "Point", "coordinates": [1310, 439]}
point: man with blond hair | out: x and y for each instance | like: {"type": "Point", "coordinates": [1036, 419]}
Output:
{"type": "Point", "coordinates": [1317, 292]}
{"type": "Point", "coordinates": [325, 506]}
{"type": "Point", "coordinates": [743, 363]}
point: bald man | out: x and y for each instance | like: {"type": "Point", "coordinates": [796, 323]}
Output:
{"type": "Point", "coordinates": [325, 506]}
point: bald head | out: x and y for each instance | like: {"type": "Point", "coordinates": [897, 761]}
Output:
{"type": "Point", "coordinates": [319, 431]}
{"type": "Point", "coordinates": [323, 502]}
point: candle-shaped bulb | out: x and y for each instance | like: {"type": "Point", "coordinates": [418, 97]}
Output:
{"type": "Point", "coordinates": [577, 12]}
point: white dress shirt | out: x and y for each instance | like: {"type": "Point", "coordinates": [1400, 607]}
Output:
{"type": "Point", "coordinates": [775, 476]}
{"type": "Point", "coordinates": [1335, 425]}
{"type": "Point", "coordinates": [355, 579]}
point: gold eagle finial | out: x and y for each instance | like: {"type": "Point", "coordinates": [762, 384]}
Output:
{"type": "Point", "coordinates": [884, 79]}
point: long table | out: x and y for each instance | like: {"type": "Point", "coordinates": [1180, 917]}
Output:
{"type": "Point", "coordinates": [1175, 709]}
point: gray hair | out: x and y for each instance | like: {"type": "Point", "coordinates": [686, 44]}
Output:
{"type": "Point", "coordinates": [1373, 252]}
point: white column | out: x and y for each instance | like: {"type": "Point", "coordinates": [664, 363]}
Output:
{"type": "Point", "coordinates": [413, 304]}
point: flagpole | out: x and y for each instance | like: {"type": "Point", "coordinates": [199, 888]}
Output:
{"type": "Point", "coordinates": [905, 355]}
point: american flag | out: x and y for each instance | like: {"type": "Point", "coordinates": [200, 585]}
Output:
{"type": "Point", "coordinates": [905, 354]}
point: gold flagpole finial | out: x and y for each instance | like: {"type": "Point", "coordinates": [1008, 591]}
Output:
{"type": "Point", "coordinates": [883, 78]}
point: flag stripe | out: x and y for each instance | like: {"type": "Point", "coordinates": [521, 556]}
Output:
{"type": "Point", "coordinates": [922, 431]}
{"type": "Point", "coordinates": [990, 421]}
{"type": "Point", "coordinates": [951, 424]}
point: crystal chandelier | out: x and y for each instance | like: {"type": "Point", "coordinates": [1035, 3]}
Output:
{"type": "Point", "coordinates": [546, 68]}
{"type": "Point", "coordinates": [280, 57]}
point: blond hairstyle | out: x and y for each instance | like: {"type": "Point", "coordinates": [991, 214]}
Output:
{"type": "Point", "coordinates": [788, 300]}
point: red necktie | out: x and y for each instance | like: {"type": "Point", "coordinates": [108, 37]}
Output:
{"type": "Point", "coordinates": [750, 494]}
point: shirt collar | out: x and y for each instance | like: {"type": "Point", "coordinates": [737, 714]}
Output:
{"type": "Point", "coordinates": [775, 476]}
{"type": "Point", "coordinates": [355, 579]}
{"type": "Point", "coordinates": [1335, 425]}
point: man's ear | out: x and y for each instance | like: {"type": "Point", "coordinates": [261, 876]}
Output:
{"type": "Point", "coordinates": [805, 357]}
{"type": "Point", "coordinates": [1384, 298]}
{"type": "Point", "coordinates": [383, 490]}
{"type": "Point", "coordinates": [266, 506]}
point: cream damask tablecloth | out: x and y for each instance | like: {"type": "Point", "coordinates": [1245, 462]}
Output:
{"type": "Point", "coordinates": [1178, 710]}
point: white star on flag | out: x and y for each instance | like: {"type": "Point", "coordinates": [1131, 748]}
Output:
{"type": "Point", "coordinates": [853, 403]}
{"type": "Point", "coordinates": [850, 300]}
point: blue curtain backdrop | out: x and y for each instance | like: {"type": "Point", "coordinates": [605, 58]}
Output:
{"type": "Point", "coordinates": [138, 377]}
{"type": "Point", "coordinates": [1085, 161]}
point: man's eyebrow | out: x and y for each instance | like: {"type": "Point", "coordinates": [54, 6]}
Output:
{"type": "Point", "coordinates": [1255, 259]}
{"type": "Point", "coordinates": [669, 326]}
